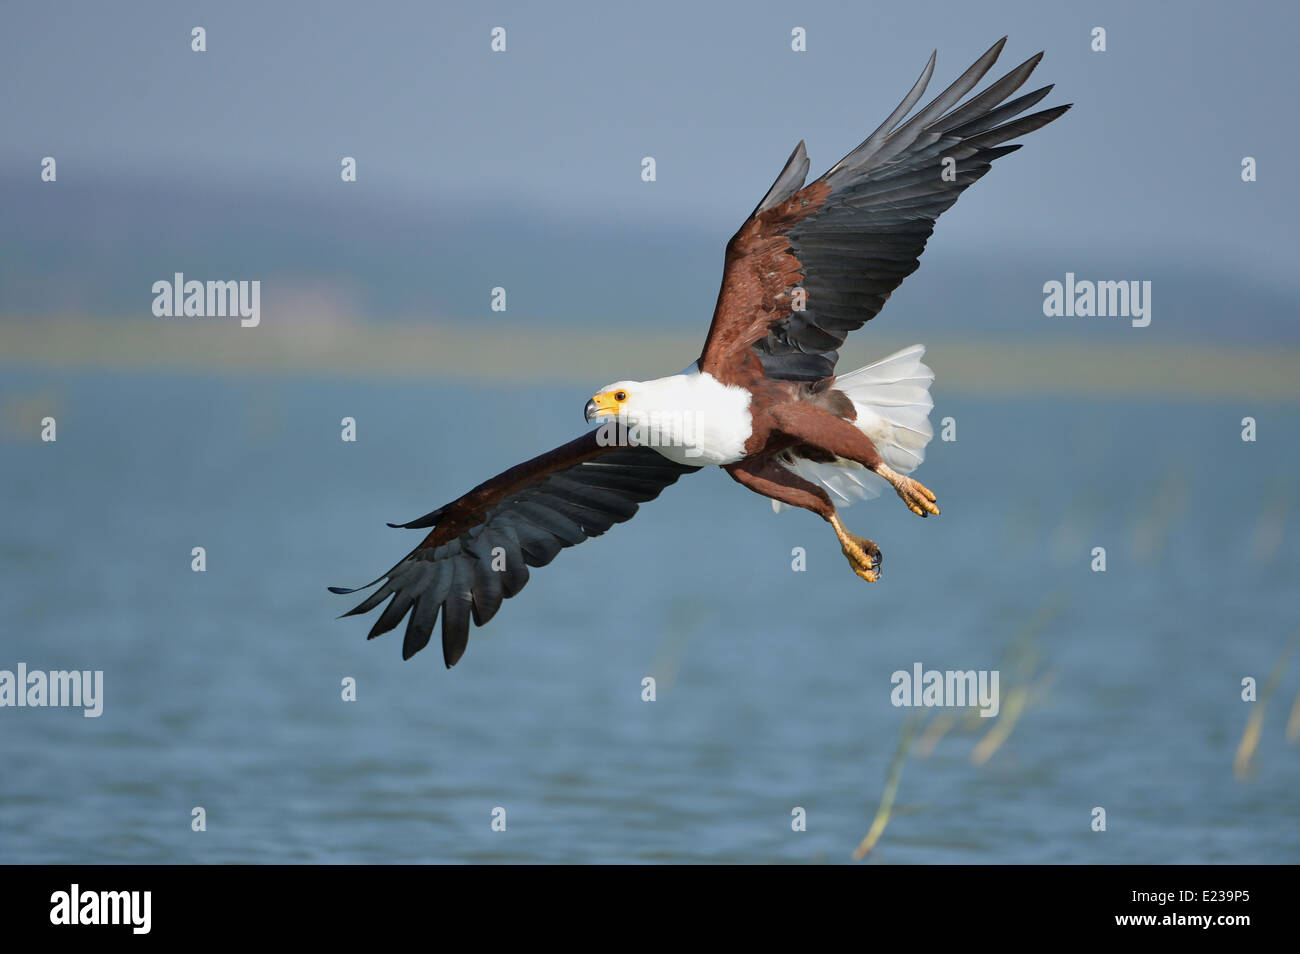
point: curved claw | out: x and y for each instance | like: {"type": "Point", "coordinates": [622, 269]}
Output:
{"type": "Point", "coordinates": [863, 555]}
{"type": "Point", "coordinates": [919, 498]}
{"type": "Point", "coordinates": [870, 570]}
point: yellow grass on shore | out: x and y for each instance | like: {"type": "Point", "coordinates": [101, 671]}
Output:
{"type": "Point", "coordinates": [538, 353]}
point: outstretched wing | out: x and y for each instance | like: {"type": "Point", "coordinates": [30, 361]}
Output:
{"type": "Point", "coordinates": [482, 544]}
{"type": "Point", "coordinates": [843, 243]}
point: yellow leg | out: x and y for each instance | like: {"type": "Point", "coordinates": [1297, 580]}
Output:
{"type": "Point", "coordinates": [862, 554]}
{"type": "Point", "coordinates": [918, 497]}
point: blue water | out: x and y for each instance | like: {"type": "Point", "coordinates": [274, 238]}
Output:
{"type": "Point", "coordinates": [222, 688]}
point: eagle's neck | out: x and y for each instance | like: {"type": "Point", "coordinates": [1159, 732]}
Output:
{"type": "Point", "coordinates": [692, 418]}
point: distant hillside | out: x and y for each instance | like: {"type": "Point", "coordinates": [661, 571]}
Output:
{"type": "Point", "coordinates": [74, 248]}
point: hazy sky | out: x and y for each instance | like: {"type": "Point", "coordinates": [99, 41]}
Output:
{"type": "Point", "coordinates": [558, 124]}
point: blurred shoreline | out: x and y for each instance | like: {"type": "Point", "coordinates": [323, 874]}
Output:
{"type": "Point", "coordinates": [542, 353]}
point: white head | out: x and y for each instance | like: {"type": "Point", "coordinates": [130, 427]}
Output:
{"type": "Point", "coordinates": [630, 401]}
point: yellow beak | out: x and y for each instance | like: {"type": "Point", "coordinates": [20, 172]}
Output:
{"type": "Point", "coordinates": [602, 405]}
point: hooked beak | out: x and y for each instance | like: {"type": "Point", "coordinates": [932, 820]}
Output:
{"type": "Point", "coordinates": [602, 405]}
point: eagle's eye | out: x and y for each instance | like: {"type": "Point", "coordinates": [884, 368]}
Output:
{"type": "Point", "coordinates": [620, 396]}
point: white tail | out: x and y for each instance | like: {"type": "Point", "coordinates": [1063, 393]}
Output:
{"type": "Point", "coordinates": [892, 399]}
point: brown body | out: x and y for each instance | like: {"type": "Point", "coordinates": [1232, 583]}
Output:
{"type": "Point", "coordinates": [795, 419]}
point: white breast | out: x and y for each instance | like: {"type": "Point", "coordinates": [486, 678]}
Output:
{"type": "Point", "coordinates": [692, 418]}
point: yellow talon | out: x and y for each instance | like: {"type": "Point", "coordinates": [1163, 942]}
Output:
{"type": "Point", "coordinates": [862, 554]}
{"type": "Point", "coordinates": [917, 496]}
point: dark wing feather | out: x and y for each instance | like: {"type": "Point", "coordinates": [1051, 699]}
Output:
{"type": "Point", "coordinates": [844, 242]}
{"type": "Point", "coordinates": [525, 517]}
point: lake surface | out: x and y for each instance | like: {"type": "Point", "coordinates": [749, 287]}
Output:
{"type": "Point", "coordinates": [222, 688]}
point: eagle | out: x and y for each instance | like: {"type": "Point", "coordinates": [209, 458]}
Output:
{"type": "Point", "coordinates": [812, 263]}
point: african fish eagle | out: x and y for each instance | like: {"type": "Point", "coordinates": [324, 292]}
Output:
{"type": "Point", "coordinates": [810, 264]}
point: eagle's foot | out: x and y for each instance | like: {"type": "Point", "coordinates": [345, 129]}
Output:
{"type": "Point", "coordinates": [863, 555]}
{"type": "Point", "coordinates": [918, 497]}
